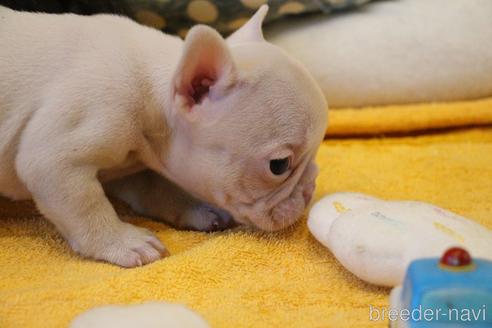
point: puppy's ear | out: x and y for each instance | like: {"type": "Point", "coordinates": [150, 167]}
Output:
{"type": "Point", "coordinates": [251, 31]}
{"type": "Point", "coordinates": [205, 70]}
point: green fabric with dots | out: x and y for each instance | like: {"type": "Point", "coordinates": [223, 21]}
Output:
{"type": "Point", "coordinates": [224, 15]}
{"type": "Point", "coordinates": [178, 16]}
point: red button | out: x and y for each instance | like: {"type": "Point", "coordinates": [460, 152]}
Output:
{"type": "Point", "coordinates": [456, 257]}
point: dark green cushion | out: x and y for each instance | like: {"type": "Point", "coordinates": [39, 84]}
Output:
{"type": "Point", "coordinates": [177, 16]}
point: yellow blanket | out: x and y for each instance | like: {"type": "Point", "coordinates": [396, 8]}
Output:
{"type": "Point", "coordinates": [246, 279]}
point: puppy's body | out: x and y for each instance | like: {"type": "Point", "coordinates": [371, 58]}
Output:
{"type": "Point", "coordinates": [78, 90]}
{"type": "Point", "coordinates": [99, 67]}
{"type": "Point", "coordinates": [84, 100]}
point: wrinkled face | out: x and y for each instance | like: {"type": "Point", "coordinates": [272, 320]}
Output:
{"type": "Point", "coordinates": [250, 141]}
{"type": "Point", "coordinates": [251, 150]}
{"type": "Point", "coordinates": [265, 142]}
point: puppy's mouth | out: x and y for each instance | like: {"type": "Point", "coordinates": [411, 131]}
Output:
{"type": "Point", "coordinates": [285, 207]}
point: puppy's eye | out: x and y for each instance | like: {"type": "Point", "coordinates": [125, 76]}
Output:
{"type": "Point", "coordinates": [279, 166]}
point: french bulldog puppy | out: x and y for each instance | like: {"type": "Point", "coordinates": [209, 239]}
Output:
{"type": "Point", "coordinates": [101, 100]}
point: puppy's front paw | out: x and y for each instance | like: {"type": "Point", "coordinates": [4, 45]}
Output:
{"type": "Point", "coordinates": [205, 217]}
{"type": "Point", "coordinates": [127, 246]}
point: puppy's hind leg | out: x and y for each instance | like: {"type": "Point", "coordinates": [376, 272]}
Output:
{"type": "Point", "coordinates": [152, 195]}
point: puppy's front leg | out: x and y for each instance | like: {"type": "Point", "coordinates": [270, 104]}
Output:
{"type": "Point", "coordinates": [72, 198]}
{"type": "Point", "coordinates": [61, 174]}
{"type": "Point", "coordinates": [152, 195]}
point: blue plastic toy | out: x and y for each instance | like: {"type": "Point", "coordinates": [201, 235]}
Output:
{"type": "Point", "coordinates": [451, 292]}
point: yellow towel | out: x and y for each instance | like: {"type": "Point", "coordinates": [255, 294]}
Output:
{"type": "Point", "coordinates": [252, 279]}
{"type": "Point", "coordinates": [409, 118]}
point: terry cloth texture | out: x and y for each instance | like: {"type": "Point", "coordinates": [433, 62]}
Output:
{"type": "Point", "coordinates": [403, 119]}
{"type": "Point", "coordinates": [244, 278]}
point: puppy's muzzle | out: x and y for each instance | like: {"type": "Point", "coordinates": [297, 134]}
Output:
{"type": "Point", "coordinates": [289, 210]}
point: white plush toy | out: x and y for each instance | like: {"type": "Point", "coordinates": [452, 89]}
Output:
{"type": "Point", "coordinates": [148, 315]}
{"type": "Point", "coordinates": [376, 239]}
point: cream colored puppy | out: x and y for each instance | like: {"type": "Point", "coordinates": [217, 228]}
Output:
{"type": "Point", "coordinates": [87, 100]}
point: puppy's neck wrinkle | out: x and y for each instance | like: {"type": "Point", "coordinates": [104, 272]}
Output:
{"type": "Point", "coordinates": [161, 135]}
{"type": "Point", "coordinates": [155, 85]}
{"type": "Point", "coordinates": [156, 134]}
